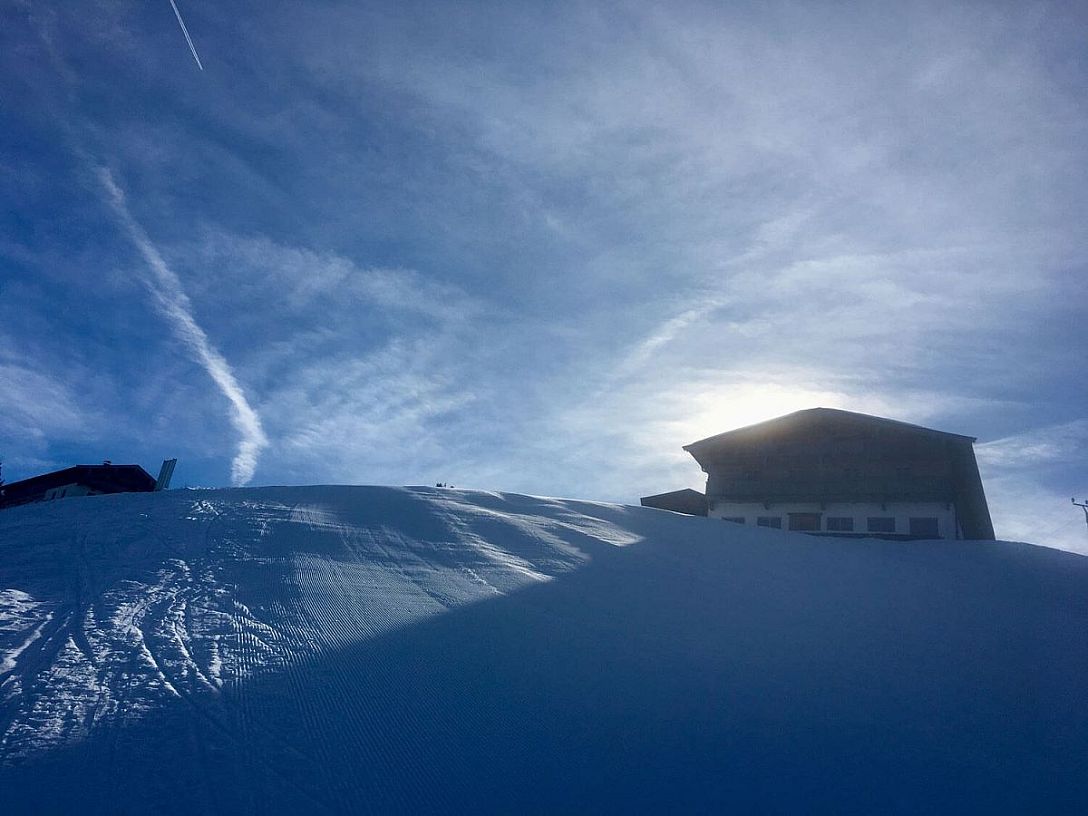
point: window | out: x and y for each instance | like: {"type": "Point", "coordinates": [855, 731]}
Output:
{"type": "Point", "coordinates": [881, 524]}
{"type": "Point", "coordinates": [734, 519]}
{"type": "Point", "coordinates": [805, 522]}
{"type": "Point", "coordinates": [924, 528]}
{"type": "Point", "coordinates": [769, 521]}
{"type": "Point", "coordinates": [840, 524]}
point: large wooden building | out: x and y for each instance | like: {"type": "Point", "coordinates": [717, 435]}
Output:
{"type": "Point", "coordinates": [836, 472]}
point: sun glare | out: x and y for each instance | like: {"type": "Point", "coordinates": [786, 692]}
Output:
{"type": "Point", "coordinates": [736, 405]}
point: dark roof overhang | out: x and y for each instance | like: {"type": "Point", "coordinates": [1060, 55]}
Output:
{"type": "Point", "coordinates": [810, 417]}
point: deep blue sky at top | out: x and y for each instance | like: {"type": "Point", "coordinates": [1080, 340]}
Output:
{"type": "Point", "coordinates": [539, 246]}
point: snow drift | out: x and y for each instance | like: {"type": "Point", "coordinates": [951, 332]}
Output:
{"type": "Point", "coordinates": [353, 649]}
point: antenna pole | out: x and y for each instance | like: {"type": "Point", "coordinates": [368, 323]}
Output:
{"type": "Point", "coordinates": [1083, 506]}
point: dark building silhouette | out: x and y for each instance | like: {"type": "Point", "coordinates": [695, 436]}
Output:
{"type": "Point", "coordinates": [688, 501]}
{"type": "Point", "coordinates": [824, 470]}
{"type": "Point", "coordinates": [835, 472]}
{"type": "Point", "coordinates": [80, 480]}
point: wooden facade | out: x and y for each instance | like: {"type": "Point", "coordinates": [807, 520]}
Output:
{"type": "Point", "coordinates": [803, 462]}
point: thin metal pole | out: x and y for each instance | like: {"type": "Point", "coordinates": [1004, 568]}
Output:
{"type": "Point", "coordinates": [1083, 506]}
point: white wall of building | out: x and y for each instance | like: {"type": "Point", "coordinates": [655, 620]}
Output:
{"type": "Point", "coordinates": [860, 512]}
{"type": "Point", "coordinates": [65, 491]}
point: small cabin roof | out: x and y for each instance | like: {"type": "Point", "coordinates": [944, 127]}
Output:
{"type": "Point", "coordinates": [687, 500]}
{"type": "Point", "coordinates": [103, 478]}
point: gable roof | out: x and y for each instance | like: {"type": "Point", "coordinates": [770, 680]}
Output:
{"type": "Point", "coordinates": [969, 496]}
{"type": "Point", "coordinates": [814, 417]}
{"type": "Point", "coordinates": [99, 478]}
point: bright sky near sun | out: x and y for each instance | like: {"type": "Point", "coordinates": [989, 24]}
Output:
{"type": "Point", "coordinates": [539, 247]}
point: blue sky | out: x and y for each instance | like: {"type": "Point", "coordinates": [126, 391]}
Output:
{"type": "Point", "coordinates": [538, 247]}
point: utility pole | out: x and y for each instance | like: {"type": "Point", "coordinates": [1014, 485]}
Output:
{"type": "Point", "coordinates": [1083, 506]}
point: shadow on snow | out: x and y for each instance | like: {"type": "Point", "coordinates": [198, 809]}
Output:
{"type": "Point", "coordinates": [698, 670]}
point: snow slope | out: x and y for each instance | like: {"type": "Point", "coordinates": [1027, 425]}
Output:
{"type": "Point", "coordinates": [360, 649]}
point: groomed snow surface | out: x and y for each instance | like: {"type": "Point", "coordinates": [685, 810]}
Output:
{"type": "Point", "coordinates": [381, 650]}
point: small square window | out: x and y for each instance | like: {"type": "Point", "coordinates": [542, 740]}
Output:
{"type": "Point", "coordinates": [840, 524]}
{"type": "Point", "coordinates": [881, 524]}
{"type": "Point", "coordinates": [769, 521]}
{"type": "Point", "coordinates": [734, 519]}
{"type": "Point", "coordinates": [924, 527]}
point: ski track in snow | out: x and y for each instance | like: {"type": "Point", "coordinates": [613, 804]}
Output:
{"type": "Point", "coordinates": [355, 650]}
{"type": "Point", "coordinates": [201, 594]}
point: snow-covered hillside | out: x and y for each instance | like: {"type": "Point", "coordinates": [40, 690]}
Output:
{"type": "Point", "coordinates": [355, 649]}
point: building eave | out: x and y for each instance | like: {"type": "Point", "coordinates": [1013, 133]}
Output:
{"type": "Point", "coordinates": [694, 448]}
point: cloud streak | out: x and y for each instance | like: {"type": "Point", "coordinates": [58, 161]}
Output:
{"type": "Point", "coordinates": [35, 405]}
{"type": "Point", "coordinates": [166, 290]}
{"type": "Point", "coordinates": [364, 373]}
{"type": "Point", "coordinates": [1029, 478]}
{"type": "Point", "coordinates": [540, 251]}
{"type": "Point", "coordinates": [185, 31]}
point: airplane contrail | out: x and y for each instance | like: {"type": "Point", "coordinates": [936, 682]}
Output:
{"type": "Point", "coordinates": [185, 31]}
{"type": "Point", "coordinates": [166, 290]}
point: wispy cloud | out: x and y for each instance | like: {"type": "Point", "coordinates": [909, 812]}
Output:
{"type": "Point", "coordinates": [41, 402]}
{"type": "Point", "coordinates": [170, 298]}
{"type": "Point", "coordinates": [369, 374]}
{"type": "Point", "coordinates": [1063, 444]}
{"type": "Point", "coordinates": [1029, 479]}
{"type": "Point", "coordinates": [541, 250]}
{"type": "Point", "coordinates": [35, 406]}
{"type": "Point", "coordinates": [302, 281]}
{"type": "Point", "coordinates": [851, 203]}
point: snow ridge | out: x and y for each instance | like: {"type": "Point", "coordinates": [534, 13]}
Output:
{"type": "Point", "coordinates": [353, 650]}
{"type": "Point", "coordinates": [210, 591]}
